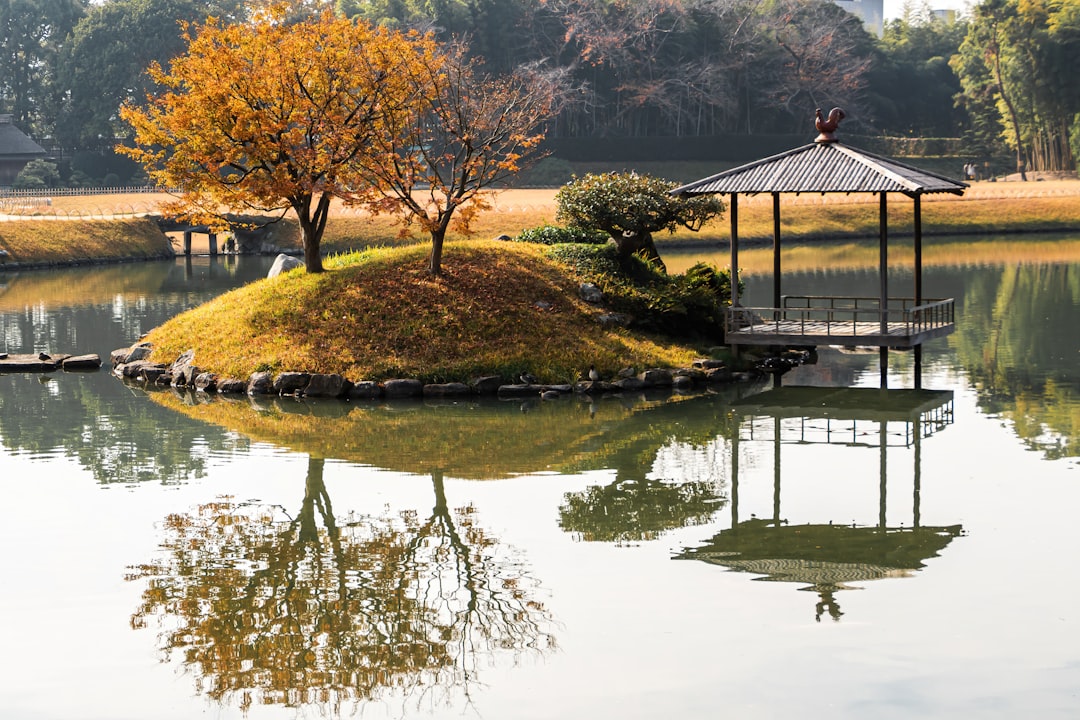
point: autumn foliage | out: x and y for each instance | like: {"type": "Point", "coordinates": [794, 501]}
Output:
{"type": "Point", "coordinates": [272, 116]}
{"type": "Point", "coordinates": [277, 116]}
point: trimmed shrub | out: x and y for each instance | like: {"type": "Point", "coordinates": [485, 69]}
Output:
{"type": "Point", "coordinates": [684, 306]}
{"type": "Point", "coordinates": [36, 175]}
{"type": "Point", "coordinates": [556, 235]}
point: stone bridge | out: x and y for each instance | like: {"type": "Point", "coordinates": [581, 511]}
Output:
{"type": "Point", "coordinates": [246, 234]}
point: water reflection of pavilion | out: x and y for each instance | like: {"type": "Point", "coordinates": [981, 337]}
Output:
{"type": "Point", "coordinates": [823, 556]}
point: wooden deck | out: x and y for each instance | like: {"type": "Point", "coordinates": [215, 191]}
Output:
{"type": "Point", "coordinates": [810, 321]}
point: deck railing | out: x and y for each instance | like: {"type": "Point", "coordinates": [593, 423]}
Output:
{"type": "Point", "coordinates": [842, 315]}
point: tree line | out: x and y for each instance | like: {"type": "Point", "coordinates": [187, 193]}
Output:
{"type": "Point", "coordinates": [1002, 77]}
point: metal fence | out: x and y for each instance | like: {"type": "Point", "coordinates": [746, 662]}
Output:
{"type": "Point", "coordinates": [79, 191]}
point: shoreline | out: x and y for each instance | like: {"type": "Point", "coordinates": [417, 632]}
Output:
{"type": "Point", "coordinates": [678, 244]}
{"type": "Point", "coordinates": [93, 226]}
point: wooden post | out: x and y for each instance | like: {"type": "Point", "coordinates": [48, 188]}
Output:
{"type": "Point", "coordinates": [883, 269]}
{"type": "Point", "coordinates": [734, 249]}
{"type": "Point", "coordinates": [212, 239]}
{"type": "Point", "coordinates": [187, 243]}
{"type": "Point", "coordinates": [734, 262]}
{"type": "Point", "coordinates": [918, 249]}
{"type": "Point", "coordinates": [918, 283]}
{"type": "Point", "coordinates": [776, 253]}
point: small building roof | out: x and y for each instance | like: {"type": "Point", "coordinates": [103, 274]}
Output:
{"type": "Point", "coordinates": [824, 167]}
{"type": "Point", "coordinates": [15, 144]}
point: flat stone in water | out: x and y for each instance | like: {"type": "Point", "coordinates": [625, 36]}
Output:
{"type": "Point", "coordinates": [32, 363]}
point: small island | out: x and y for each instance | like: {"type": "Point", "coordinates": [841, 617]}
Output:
{"type": "Point", "coordinates": [514, 313]}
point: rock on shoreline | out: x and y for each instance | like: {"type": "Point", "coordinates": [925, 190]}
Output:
{"type": "Point", "coordinates": [132, 363]}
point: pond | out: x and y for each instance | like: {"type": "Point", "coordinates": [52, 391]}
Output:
{"type": "Point", "coordinates": [738, 553]}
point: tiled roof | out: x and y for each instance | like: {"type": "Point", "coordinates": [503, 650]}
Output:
{"type": "Point", "coordinates": [15, 143]}
{"type": "Point", "coordinates": [828, 167]}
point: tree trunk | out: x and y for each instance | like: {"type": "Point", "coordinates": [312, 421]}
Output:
{"type": "Point", "coordinates": [435, 261]}
{"type": "Point", "coordinates": [640, 244]}
{"type": "Point", "coordinates": [1021, 165]}
{"type": "Point", "coordinates": [312, 225]}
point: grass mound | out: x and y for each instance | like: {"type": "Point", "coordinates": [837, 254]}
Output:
{"type": "Point", "coordinates": [499, 308]}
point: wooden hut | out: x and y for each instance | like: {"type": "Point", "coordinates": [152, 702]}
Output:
{"type": "Point", "coordinates": [16, 150]}
{"type": "Point", "coordinates": [828, 166]}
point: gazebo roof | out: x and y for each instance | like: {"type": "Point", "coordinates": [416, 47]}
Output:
{"type": "Point", "coordinates": [824, 167]}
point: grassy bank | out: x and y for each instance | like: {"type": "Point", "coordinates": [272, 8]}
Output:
{"type": "Point", "coordinates": [987, 208]}
{"type": "Point", "coordinates": [106, 228]}
{"type": "Point", "coordinates": [48, 241]}
{"type": "Point", "coordinates": [500, 308]}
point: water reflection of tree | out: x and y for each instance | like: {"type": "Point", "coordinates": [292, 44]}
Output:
{"type": "Point", "coordinates": [112, 433]}
{"type": "Point", "coordinates": [634, 507]}
{"type": "Point", "coordinates": [90, 417]}
{"type": "Point", "coordinates": [1021, 351]}
{"type": "Point", "coordinates": [634, 510]}
{"type": "Point", "coordinates": [265, 608]}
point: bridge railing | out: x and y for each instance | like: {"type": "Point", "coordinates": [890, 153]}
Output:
{"type": "Point", "coordinates": [825, 315]}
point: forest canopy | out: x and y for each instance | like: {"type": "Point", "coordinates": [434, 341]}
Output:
{"type": "Point", "coordinates": [626, 68]}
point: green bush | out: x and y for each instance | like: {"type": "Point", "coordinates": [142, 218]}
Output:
{"type": "Point", "coordinates": [37, 175]}
{"type": "Point", "coordinates": [555, 235]}
{"type": "Point", "coordinates": [685, 306]}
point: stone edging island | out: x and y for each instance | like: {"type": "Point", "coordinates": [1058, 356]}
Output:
{"type": "Point", "coordinates": [133, 363]}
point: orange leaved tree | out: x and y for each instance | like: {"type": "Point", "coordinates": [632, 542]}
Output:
{"type": "Point", "coordinates": [462, 133]}
{"type": "Point", "coordinates": [274, 115]}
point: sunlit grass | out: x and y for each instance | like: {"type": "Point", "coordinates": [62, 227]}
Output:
{"type": "Point", "coordinates": [65, 241]}
{"type": "Point", "coordinates": [986, 208]}
{"type": "Point", "coordinates": [990, 208]}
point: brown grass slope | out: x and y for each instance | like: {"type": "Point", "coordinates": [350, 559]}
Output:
{"type": "Point", "coordinates": [499, 308]}
{"type": "Point", "coordinates": [76, 241]}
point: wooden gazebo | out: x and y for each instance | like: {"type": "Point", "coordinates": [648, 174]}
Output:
{"type": "Point", "coordinates": [828, 166]}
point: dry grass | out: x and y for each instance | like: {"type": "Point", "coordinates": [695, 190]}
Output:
{"type": "Point", "coordinates": [499, 308]}
{"type": "Point", "coordinates": [67, 241]}
{"type": "Point", "coordinates": [986, 208]}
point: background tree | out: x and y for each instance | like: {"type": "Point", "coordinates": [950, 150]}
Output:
{"type": "Point", "coordinates": [625, 68]}
{"type": "Point", "coordinates": [911, 87]}
{"type": "Point", "coordinates": [103, 64]}
{"type": "Point", "coordinates": [461, 133]}
{"type": "Point", "coordinates": [273, 117]}
{"type": "Point", "coordinates": [821, 57]}
{"type": "Point", "coordinates": [630, 208]}
{"type": "Point", "coordinates": [31, 33]}
{"type": "Point", "coordinates": [1025, 55]}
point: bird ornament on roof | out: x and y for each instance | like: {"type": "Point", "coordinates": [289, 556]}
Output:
{"type": "Point", "coordinates": [827, 126]}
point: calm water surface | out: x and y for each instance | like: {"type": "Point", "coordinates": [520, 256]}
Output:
{"type": "Point", "coordinates": [636, 557]}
